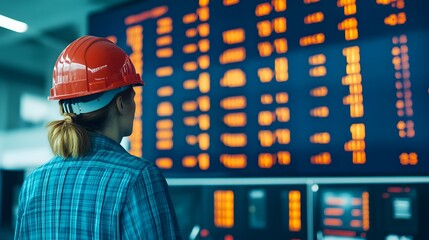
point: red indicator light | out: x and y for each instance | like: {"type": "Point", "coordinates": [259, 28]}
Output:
{"type": "Point", "coordinates": [228, 237]}
{"type": "Point", "coordinates": [204, 233]}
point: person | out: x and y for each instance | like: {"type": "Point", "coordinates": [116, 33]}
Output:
{"type": "Point", "coordinates": [93, 188]}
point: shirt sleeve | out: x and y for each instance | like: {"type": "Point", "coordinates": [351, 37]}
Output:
{"type": "Point", "coordinates": [148, 212]}
{"type": "Point", "coordinates": [20, 212]}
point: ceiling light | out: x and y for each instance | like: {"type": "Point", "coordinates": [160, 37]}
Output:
{"type": "Point", "coordinates": [13, 24]}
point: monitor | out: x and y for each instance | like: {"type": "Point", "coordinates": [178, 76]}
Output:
{"type": "Point", "coordinates": [277, 88]}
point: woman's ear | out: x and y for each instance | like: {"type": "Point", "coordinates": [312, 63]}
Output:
{"type": "Point", "coordinates": [120, 104]}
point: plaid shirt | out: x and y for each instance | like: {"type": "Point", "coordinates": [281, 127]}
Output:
{"type": "Point", "coordinates": [108, 194]}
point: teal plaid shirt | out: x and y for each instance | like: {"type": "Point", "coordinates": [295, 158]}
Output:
{"type": "Point", "coordinates": [108, 194]}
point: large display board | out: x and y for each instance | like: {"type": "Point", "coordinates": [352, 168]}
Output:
{"type": "Point", "coordinates": [278, 88]}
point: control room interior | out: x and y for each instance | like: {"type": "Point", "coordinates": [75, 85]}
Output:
{"type": "Point", "coordinates": [270, 119]}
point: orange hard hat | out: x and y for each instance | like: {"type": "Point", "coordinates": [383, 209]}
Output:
{"type": "Point", "coordinates": [91, 65]}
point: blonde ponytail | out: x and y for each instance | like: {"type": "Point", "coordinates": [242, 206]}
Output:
{"type": "Point", "coordinates": [68, 139]}
{"type": "Point", "coordinates": [71, 137]}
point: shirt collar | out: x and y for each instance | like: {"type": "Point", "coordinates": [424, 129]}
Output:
{"type": "Point", "coordinates": [99, 141]}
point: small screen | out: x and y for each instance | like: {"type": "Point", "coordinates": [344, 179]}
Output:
{"type": "Point", "coordinates": [402, 208]}
{"type": "Point", "coordinates": [345, 213]}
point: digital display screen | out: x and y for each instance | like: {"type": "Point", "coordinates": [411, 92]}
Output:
{"type": "Point", "coordinates": [254, 212]}
{"type": "Point", "coordinates": [345, 213]}
{"type": "Point", "coordinates": [402, 208]}
{"type": "Point", "coordinates": [277, 88]}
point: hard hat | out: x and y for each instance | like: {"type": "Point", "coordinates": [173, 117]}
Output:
{"type": "Point", "coordinates": [91, 65]}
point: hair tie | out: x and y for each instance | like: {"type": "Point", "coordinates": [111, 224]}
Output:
{"type": "Point", "coordinates": [68, 119]}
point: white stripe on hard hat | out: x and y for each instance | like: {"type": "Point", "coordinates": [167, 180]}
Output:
{"type": "Point", "coordinates": [88, 104]}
